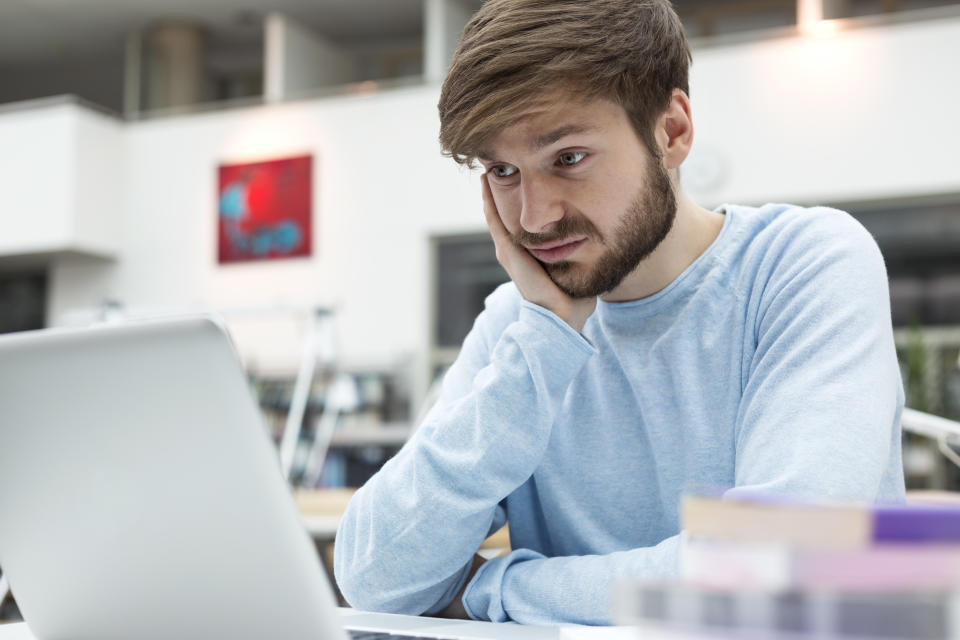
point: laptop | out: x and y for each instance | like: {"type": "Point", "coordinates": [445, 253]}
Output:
{"type": "Point", "coordinates": [141, 496]}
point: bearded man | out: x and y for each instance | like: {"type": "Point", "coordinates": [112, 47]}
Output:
{"type": "Point", "coordinates": [646, 346]}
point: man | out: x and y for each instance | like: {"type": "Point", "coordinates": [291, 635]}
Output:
{"type": "Point", "coordinates": [647, 347]}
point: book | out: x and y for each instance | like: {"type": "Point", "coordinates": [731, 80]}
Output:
{"type": "Point", "coordinates": [818, 526]}
{"type": "Point", "coordinates": [699, 611]}
{"type": "Point", "coordinates": [886, 567]}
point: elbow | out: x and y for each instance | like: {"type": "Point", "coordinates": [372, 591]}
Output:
{"type": "Point", "coordinates": [366, 593]}
{"type": "Point", "coordinates": [372, 584]}
{"type": "Point", "coordinates": [360, 596]}
{"type": "Point", "coordinates": [376, 573]}
{"type": "Point", "coordinates": [359, 571]}
{"type": "Point", "coordinates": [365, 599]}
{"type": "Point", "coordinates": [353, 578]}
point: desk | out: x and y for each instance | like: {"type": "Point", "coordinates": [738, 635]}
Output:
{"type": "Point", "coordinates": [321, 510]}
{"type": "Point", "coordinates": [397, 624]}
{"type": "Point", "coordinates": [322, 528]}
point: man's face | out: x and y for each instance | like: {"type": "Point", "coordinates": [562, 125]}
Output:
{"type": "Point", "coordinates": [577, 189]}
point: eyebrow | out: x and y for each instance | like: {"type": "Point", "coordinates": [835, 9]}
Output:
{"type": "Point", "coordinates": [547, 139]}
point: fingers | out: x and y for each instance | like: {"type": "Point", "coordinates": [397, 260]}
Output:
{"type": "Point", "coordinates": [501, 237]}
{"type": "Point", "coordinates": [497, 230]}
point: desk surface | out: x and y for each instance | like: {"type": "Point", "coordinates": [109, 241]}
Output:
{"type": "Point", "coordinates": [321, 511]}
{"type": "Point", "coordinates": [393, 623]}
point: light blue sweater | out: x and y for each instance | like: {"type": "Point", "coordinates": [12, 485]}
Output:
{"type": "Point", "coordinates": [767, 365]}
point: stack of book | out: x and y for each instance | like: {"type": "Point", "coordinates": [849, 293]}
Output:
{"type": "Point", "coordinates": [772, 569]}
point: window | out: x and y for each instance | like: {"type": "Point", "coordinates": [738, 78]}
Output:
{"type": "Point", "coordinates": [22, 301]}
{"type": "Point", "coordinates": [919, 243]}
{"type": "Point", "coordinates": [467, 272]}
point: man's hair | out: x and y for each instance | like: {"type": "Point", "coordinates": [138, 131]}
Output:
{"type": "Point", "coordinates": [515, 55]}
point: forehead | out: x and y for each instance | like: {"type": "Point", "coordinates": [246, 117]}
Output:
{"type": "Point", "coordinates": [550, 120]}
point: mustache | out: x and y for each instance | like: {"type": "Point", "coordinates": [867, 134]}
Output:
{"type": "Point", "coordinates": [567, 226]}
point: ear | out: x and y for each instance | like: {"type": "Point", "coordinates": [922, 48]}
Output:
{"type": "Point", "coordinates": [674, 130]}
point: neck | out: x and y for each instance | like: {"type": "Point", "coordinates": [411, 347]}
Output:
{"type": "Point", "coordinates": [694, 230]}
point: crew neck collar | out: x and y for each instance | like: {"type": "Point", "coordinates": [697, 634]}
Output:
{"type": "Point", "coordinates": [653, 303]}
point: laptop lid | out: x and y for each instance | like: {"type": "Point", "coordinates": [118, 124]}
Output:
{"type": "Point", "coordinates": [140, 495]}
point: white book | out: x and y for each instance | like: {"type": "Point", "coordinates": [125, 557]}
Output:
{"type": "Point", "coordinates": [781, 567]}
{"type": "Point", "coordinates": [747, 614]}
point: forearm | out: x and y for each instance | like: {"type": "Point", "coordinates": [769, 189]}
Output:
{"type": "Point", "coordinates": [526, 587]}
{"type": "Point", "coordinates": [406, 541]}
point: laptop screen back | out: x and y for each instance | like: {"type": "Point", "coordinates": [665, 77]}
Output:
{"type": "Point", "coordinates": [140, 496]}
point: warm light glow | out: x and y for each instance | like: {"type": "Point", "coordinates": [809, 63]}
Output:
{"type": "Point", "coordinates": [809, 13]}
{"type": "Point", "coordinates": [810, 20]}
{"type": "Point", "coordinates": [824, 29]}
{"type": "Point", "coordinates": [362, 88]}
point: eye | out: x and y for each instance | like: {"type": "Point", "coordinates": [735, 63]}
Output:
{"type": "Point", "coordinates": [503, 170]}
{"type": "Point", "coordinates": [570, 158]}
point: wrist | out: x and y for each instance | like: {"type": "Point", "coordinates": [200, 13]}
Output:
{"type": "Point", "coordinates": [577, 313]}
{"type": "Point", "coordinates": [456, 609]}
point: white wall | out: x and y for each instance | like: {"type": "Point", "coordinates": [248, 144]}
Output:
{"type": "Point", "coordinates": [867, 114]}
{"type": "Point", "coordinates": [380, 188]}
{"type": "Point", "coordinates": [863, 115]}
{"type": "Point", "coordinates": [99, 159]}
{"type": "Point", "coordinates": [36, 203]}
{"type": "Point", "coordinates": [58, 175]}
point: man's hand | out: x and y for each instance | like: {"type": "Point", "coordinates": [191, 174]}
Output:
{"type": "Point", "coordinates": [456, 609]}
{"type": "Point", "coordinates": [529, 276]}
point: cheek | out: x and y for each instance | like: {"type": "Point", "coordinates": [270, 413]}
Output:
{"type": "Point", "coordinates": [613, 200]}
{"type": "Point", "coordinates": [508, 206]}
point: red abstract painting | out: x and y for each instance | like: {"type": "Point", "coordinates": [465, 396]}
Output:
{"type": "Point", "coordinates": [265, 210]}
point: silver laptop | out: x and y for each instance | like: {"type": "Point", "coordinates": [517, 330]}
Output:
{"type": "Point", "coordinates": [140, 496]}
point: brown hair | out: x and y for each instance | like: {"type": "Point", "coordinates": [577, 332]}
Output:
{"type": "Point", "coordinates": [514, 53]}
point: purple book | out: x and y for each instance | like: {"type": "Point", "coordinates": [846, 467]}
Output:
{"type": "Point", "coordinates": [768, 518]}
{"type": "Point", "coordinates": [900, 523]}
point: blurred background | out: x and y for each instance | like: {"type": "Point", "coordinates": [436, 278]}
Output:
{"type": "Point", "coordinates": [277, 162]}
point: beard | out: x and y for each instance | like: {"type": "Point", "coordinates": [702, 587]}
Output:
{"type": "Point", "coordinates": [640, 230]}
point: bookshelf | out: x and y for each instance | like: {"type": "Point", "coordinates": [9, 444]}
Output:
{"type": "Point", "coordinates": [371, 423]}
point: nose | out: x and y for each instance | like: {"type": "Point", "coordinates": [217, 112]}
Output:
{"type": "Point", "coordinates": [540, 205]}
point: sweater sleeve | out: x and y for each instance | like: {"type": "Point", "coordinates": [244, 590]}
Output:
{"type": "Point", "coordinates": [820, 412]}
{"type": "Point", "coordinates": [407, 539]}
{"type": "Point", "coordinates": [527, 587]}
{"type": "Point", "coordinates": [819, 419]}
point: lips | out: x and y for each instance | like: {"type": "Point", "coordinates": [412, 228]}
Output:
{"type": "Point", "coordinates": [556, 251]}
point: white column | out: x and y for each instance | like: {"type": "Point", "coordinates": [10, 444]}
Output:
{"type": "Point", "coordinates": [810, 12]}
{"type": "Point", "coordinates": [297, 60]}
{"type": "Point", "coordinates": [132, 71]}
{"type": "Point", "coordinates": [443, 23]}
{"type": "Point", "coordinates": [273, 57]}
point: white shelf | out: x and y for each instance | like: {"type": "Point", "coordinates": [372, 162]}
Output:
{"type": "Point", "coordinates": [393, 434]}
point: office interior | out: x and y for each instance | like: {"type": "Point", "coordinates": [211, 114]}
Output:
{"type": "Point", "coordinates": [119, 122]}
